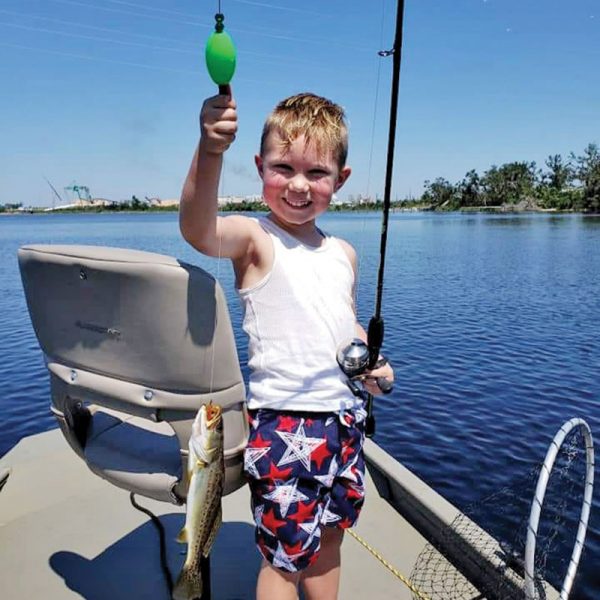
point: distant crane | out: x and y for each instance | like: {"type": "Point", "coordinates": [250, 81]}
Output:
{"type": "Point", "coordinates": [55, 192]}
{"type": "Point", "coordinates": [82, 191]}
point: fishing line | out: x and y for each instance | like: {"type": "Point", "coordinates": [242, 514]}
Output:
{"type": "Point", "coordinates": [376, 100]}
{"type": "Point", "coordinates": [217, 276]}
{"type": "Point", "coordinates": [369, 169]}
{"type": "Point", "coordinates": [220, 56]}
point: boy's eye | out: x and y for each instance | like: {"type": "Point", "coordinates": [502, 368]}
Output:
{"type": "Point", "coordinates": [318, 173]}
{"type": "Point", "coordinates": [282, 167]}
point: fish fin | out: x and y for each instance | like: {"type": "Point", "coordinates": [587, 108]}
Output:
{"type": "Point", "coordinates": [189, 584]}
{"type": "Point", "coordinates": [189, 472]}
{"type": "Point", "coordinates": [182, 538]}
{"type": "Point", "coordinates": [213, 533]}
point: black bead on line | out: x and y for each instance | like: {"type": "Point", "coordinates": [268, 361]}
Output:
{"type": "Point", "coordinates": [219, 25]}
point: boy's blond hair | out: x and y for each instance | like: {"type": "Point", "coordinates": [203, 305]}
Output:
{"type": "Point", "coordinates": [318, 119]}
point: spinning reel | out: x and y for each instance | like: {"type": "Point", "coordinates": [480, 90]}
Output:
{"type": "Point", "coordinates": [353, 358]}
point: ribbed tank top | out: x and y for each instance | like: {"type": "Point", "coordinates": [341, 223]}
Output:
{"type": "Point", "coordinates": [295, 319]}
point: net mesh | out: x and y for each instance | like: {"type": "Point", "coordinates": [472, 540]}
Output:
{"type": "Point", "coordinates": [501, 537]}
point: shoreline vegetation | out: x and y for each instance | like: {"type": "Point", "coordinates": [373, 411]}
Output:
{"type": "Point", "coordinates": [563, 185]}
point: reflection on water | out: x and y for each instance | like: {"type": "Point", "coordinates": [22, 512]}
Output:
{"type": "Point", "coordinates": [491, 322]}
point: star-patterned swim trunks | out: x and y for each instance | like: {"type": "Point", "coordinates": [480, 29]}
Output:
{"type": "Point", "coordinates": [306, 471]}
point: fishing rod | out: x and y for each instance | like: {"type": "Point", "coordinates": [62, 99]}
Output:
{"type": "Point", "coordinates": [376, 326]}
{"type": "Point", "coordinates": [355, 357]}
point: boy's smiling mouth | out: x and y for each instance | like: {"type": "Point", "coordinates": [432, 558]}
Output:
{"type": "Point", "coordinates": [297, 203]}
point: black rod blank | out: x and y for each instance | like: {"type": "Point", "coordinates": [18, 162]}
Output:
{"type": "Point", "coordinates": [376, 328]}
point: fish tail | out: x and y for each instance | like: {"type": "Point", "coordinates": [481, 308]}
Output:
{"type": "Point", "coordinates": [189, 584]}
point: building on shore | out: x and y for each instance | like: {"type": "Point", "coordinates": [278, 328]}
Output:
{"type": "Point", "coordinates": [81, 204]}
{"type": "Point", "coordinates": [152, 202]}
{"type": "Point", "coordinates": [162, 203]}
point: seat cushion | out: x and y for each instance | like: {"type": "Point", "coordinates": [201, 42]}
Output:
{"type": "Point", "coordinates": [134, 453]}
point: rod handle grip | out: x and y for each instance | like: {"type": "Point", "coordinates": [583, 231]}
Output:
{"type": "Point", "coordinates": [374, 339]}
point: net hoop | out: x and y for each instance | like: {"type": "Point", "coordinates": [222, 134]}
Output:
{"type": "Point", "coordinates": [538, 501]}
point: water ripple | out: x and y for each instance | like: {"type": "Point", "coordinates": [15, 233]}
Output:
{"type": "Point", "coordinates": [491, 323]}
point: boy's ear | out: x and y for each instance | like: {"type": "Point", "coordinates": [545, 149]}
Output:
{"type": "Point", "coordinates": [258, 161]}
{"type": "Point", "coordinates": [342, 177]}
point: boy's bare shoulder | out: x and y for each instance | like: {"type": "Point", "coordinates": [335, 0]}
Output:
{"type": "Point", "coordinates": [245, 230]}
{"type": "Point", "coordinates": [241, 220]}
{"type": "Point", "coordinates": [349, 250]}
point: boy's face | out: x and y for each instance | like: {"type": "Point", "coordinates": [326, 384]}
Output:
{"type": "Point", "coordinates": [298, 183]}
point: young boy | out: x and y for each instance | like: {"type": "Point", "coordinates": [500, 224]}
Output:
{"type": "Point", "coordinates": [304, 456]}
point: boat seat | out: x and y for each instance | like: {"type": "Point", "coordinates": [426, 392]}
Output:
{"type": "Point", "coordinates": [143, 456]}
{"type": "Point", "coordinates": [135, 343]}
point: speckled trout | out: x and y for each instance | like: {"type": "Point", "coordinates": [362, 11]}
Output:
{"type": "Point", "coordinates": [206, 472]}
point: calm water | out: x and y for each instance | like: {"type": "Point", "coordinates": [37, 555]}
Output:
{"type": "Point", "coordinates": [491, 322]}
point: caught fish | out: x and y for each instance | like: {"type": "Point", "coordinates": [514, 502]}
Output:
{"type": "Point", "coordinates": [206, 472]}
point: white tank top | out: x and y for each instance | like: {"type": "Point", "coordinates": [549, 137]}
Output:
{"type": "Point", "coordinates": [295, 318]}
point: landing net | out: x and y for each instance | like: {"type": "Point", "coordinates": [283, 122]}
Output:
{"type": "Point", "coordinates": [492, 564]}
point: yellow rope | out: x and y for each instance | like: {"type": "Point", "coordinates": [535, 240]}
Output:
{"type": "Point", "coordinates": [390, 567]}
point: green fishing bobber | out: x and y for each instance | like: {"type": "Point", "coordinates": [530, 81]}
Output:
{"type": "Point", "coordinates": [220, 54]}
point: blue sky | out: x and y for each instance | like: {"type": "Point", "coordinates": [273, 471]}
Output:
{"type": "Point", "coordinates": [106, 93]}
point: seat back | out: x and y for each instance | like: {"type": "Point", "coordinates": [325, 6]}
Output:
{"type": "Point", "coordinates": [135, 343]}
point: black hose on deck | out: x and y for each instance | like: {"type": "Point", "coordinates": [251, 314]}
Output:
{"type": "Point", "coordinates": [163, 546]}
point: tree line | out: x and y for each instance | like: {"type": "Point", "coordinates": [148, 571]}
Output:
{"type": "Point", "coordinates": [562, 184]}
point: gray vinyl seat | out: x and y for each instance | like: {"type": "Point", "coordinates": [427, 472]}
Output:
{"type": "Point", "coordinates": [135, 343]}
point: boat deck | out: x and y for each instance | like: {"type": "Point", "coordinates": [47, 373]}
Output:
{"type": "Point", "coordinates": [66, 533]}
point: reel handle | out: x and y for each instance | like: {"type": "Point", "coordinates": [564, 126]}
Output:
{"type": "Point", "coordinates": [384, 385]}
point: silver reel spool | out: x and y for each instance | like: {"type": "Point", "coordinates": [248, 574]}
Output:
{"type": "Point", "coordinates": [353, 358]}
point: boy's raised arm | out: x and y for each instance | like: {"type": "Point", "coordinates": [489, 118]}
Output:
{"type": "Point", "coordinates": [198, 220]}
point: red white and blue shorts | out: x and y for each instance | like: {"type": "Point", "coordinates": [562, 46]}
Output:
{"type": "Point", "coordinates": [306, 471]}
